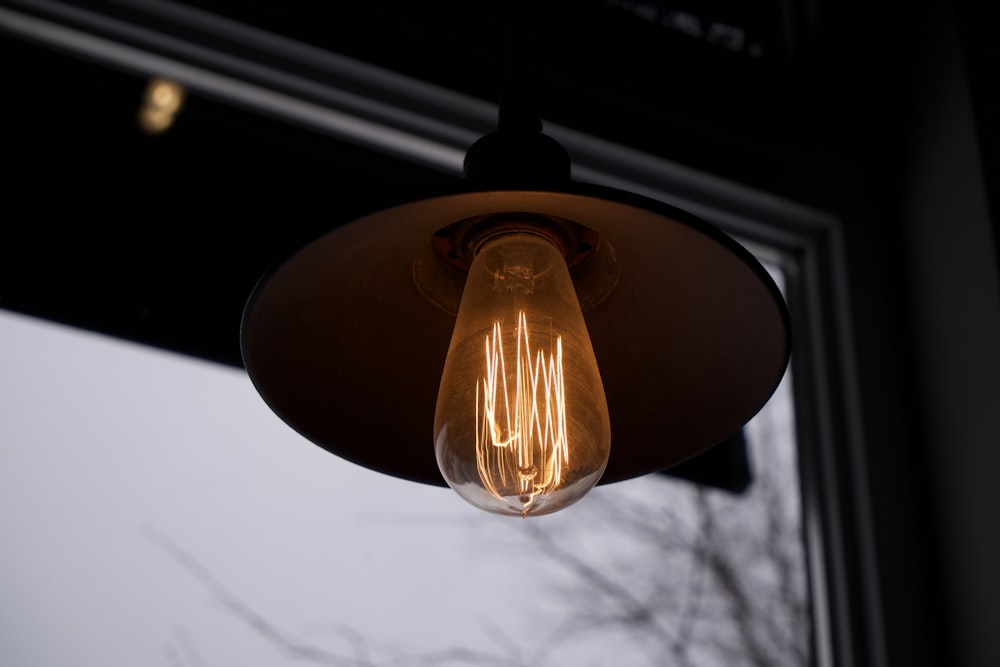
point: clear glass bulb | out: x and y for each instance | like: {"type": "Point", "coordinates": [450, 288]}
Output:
{"type": "Point", "coordinates": [521, 425]}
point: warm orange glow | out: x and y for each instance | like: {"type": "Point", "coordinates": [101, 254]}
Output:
{"type": "Point", "coordinates": [161, 102]}
{"type": "Point", "coordinates": [522, 428]}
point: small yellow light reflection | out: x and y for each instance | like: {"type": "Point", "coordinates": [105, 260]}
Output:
{"type": "Point", "coordinates": [161, 102]}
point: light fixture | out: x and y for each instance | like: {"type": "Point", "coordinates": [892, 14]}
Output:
{"type": "Point", "coordinates": [161, 102]}
{"type": "Point", "coordinates": [521, 424]}
{"type": "Point", "coordinates": [458, 338]}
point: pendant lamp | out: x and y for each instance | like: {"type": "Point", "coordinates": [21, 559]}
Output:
{"type": "Point", "coordinates": [520, 340]}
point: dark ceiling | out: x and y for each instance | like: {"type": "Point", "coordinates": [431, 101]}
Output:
{"type": "Point", "coordinates": [159, 239]}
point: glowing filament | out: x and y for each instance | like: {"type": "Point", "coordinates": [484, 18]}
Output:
{"type": "Point", "coordinates": [521, 442]}
{"type": "Point", "coordinates": [519, 380]}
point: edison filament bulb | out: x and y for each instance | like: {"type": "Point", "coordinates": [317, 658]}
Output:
{"type": "Point", "coordinates": [521, 425]}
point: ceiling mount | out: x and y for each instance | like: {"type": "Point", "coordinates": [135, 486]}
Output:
{"type": "Point", "coordinates": [516, 155]}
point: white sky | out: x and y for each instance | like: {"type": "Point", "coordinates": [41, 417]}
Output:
{"type": "Point", "coordinates": [111, 451]}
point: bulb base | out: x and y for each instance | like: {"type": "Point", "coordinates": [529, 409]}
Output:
{"type": "Point", "coordinates": [460, 242]}
{"type": "Point", "coordinates": [441, 266]}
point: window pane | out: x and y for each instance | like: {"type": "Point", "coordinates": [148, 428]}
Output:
{"type": "Point", "coordinates": [153, 509]}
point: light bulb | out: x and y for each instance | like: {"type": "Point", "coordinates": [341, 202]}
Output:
{"type": "Point", "coordinates": [161, 103]}
{"type": "Point", "coordinates": [521, 425]}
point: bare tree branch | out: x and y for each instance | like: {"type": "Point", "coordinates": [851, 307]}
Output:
{"type": "Point", "coordinates": [307, 652]}
{"type": "Point", "coordinates": [241, 610]}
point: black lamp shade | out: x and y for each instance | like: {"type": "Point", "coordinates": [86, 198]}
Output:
{"type": "Point", "coordinates": [346, 340]}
